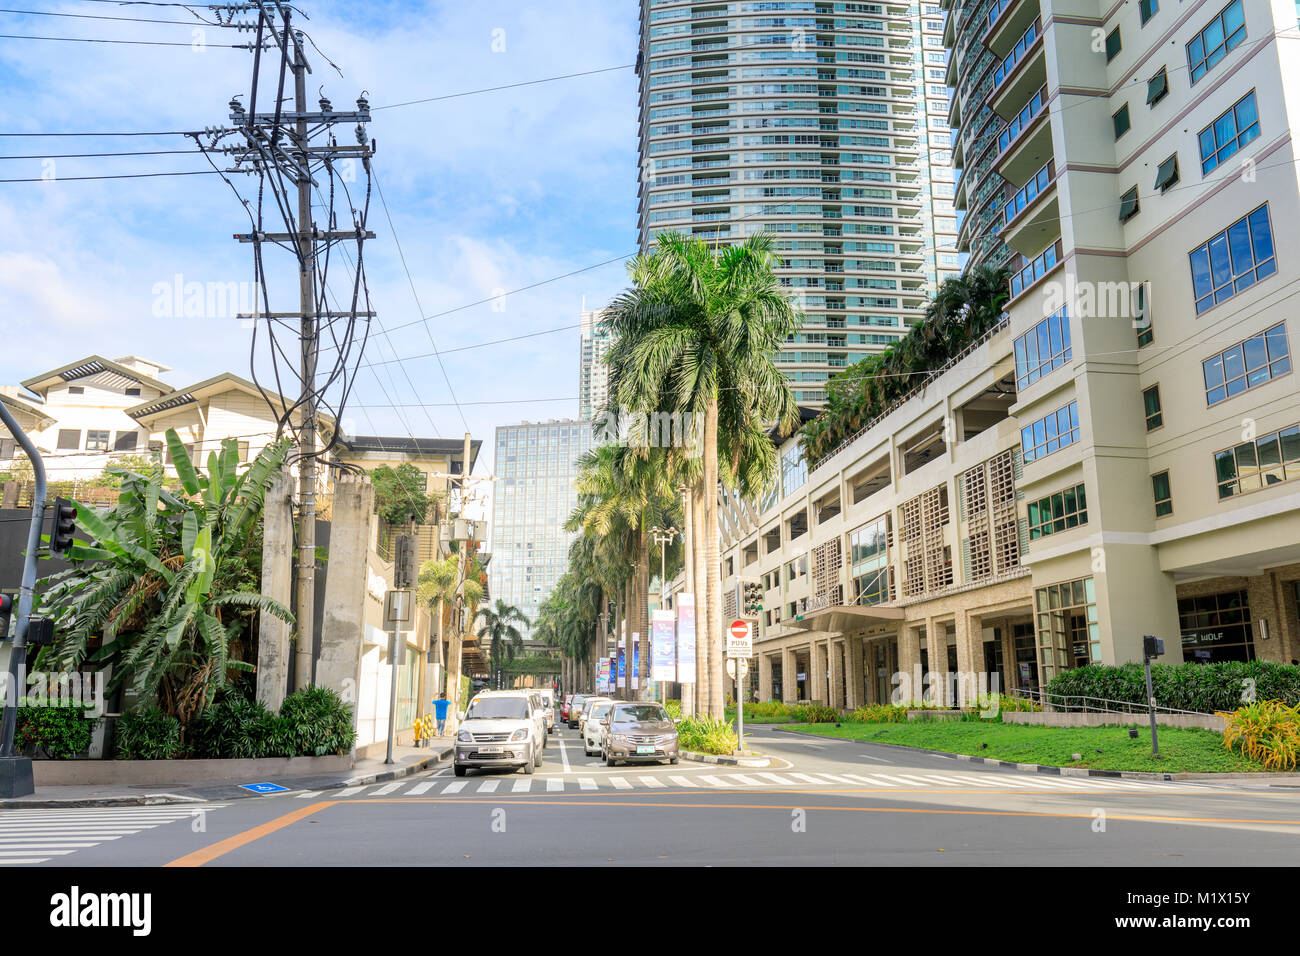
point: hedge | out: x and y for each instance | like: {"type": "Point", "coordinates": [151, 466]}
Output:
{"type": "Point", "coordinates": [1205, 688]}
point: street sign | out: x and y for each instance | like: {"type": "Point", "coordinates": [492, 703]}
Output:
{"type": "Point", "coordinates": [740, 639]}
{"type": "Point", "coordinates": [263, 787]}
{"type": "Point", "coordinates": [398, 608]}
{"type": "Point", "coordinates": [733, 663]}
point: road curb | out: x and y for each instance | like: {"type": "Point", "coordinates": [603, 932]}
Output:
{"type": "Point", "coordinates": [1060, 771]}
{"type": "Point", "coordinates": [160, 799]}
{"type": "Point", "coordinates": [726, 759]}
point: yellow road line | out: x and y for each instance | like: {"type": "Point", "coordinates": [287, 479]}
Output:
{"type": "Point", "coordinates": [222, 847]}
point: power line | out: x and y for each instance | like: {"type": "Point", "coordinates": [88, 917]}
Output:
{"type": "Point", "coordinates": [92, 16]}
{"type": "Point", "coordinates": [64, 179]}
{"type": "Point", "coordinates": [19, 36]}
{"type": "Point", "coordinates": [507, 86]}
{"type": "Point", "coordinates": [170, 132]}
{"type": "Point", "coordinates": [149, 152]}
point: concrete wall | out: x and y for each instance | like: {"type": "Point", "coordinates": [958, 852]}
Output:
{"type": "Point", "coordinates": [55, 773]}
{"type": "Point", "coordinates": [1206, 721]}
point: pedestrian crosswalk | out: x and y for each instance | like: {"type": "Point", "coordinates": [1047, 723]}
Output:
{"type": "Point", "coordinates": [39, 835]}
{"type": "Point", "coordinates": [901, 780]}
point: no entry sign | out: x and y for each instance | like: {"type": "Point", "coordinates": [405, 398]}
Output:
{"type": "Point", "coordinates": [740, 639]}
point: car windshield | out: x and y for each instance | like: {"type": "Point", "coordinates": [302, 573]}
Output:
{"type": "Point", "coordinates": [497, 708]}
{"type": "Point", "coordinates": [628, 713]}
{"type": "Point", "coordinates": [580, 699]}
{"type": "Point", "coordinates": [600, 710]}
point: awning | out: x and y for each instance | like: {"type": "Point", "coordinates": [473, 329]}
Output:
{"type": "Point", "coordinates": [841, 618]}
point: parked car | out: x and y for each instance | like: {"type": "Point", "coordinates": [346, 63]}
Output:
{"type": "Point", "coordinates": [548, 703]}
{"type": "Point", "coordinates": [575, 709]}
{"type": "Point", "coordinates": [503, 728]}
{"type": "Point", "coordinates": [587, 706]}
{"type": "Point", "coordinates": [564, 707]}
{"type": "Point", "coordinates": [639, 731]}
{"type": "Point", "coordinates": [593, 732]}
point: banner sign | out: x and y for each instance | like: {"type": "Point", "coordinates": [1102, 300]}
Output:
{"type": "Point", "coordinates": [663, 646]}
{"type": "Point", "coordinates": [622, 667]}
{"type": "Point", "coordinates": [686, 638]}
{"type": "Point", "coordinates": [635, 676]}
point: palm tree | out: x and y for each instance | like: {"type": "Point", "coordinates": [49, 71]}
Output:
{"type": "Point", "coordinates": [499, 629]}
{"type": "Point", "coordinates": [440, 587]}
{"type": "Point", "coordinates": [697, 334]}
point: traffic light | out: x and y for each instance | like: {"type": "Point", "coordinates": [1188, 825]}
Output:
{"type": "Point", "coordinates": [6, 609]}
{"type": "Point", "coordinates": [404, 562]}
{"type": "Point", "coordinates": [65, 523]}
{"type": "Point", "coordinates": [751, 598]}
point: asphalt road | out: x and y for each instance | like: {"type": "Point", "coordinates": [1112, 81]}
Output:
{"type": "Point", "coordinates": [823, 802]}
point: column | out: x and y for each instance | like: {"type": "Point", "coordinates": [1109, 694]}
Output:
{"type": "Point", "coordinates": [817, 665]}
{"type": "Point", "coordinates": [339, 665]}
{"type": "Point", "coordinates": [765, 689]}
{"type": "Point", "coordinates": [970, 657]}
{"type": "Point", "coordinates": [790, 675]}
{"type": "Point", "coordinates": [854, 684]}
{"type": "Point", "coordinates": [277, 583]}
{"type": "Point", "coordinates": [909, 660]}
{"type": "Point", "coordinates": [838, 652]}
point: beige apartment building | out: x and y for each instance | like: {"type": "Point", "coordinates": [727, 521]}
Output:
{"type": "Point", "coordinates": [1121, 457]}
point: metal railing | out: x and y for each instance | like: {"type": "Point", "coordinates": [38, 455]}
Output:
{"type": "Point", "coordinates": [1081, 704]}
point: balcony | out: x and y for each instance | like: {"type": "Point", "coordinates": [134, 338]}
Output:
{"type": "Point", "coordinates": [1031, 217]}
{"type": "Point", "coordinates": [1020, 75]}
{"type": "Point", "coordinates": [1025, 143]}
{"type": "Point", "coordinates": [1008, 21]}
{"type": "Point", "coordinates": [1026, 273]}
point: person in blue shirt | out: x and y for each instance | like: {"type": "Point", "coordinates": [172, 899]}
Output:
{"type": "Point", "coordinates": [440, 712]}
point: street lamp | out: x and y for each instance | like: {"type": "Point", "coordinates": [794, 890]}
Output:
{"type": "Point", "coordinates": [664, 538]}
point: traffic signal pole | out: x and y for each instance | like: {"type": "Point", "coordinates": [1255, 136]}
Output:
{"type": "Point", "coordinates": [15, 771]}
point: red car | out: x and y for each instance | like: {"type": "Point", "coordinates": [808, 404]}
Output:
{"type": "Point", "coordinates": [564, 707]}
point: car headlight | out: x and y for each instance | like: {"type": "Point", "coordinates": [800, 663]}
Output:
{"type": "Point", "coordinates": [520, 734]}
{"type": "Point", "coordinates": [465, 737]}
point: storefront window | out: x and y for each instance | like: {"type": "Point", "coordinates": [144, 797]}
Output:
{"type": "Point", "coordinates": [1216, 627]}
{"type": "Point", "coordinates": [1068, 632]}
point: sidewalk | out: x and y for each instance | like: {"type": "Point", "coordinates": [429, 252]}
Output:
{"type": "Point", "coordinates": [406, 761]}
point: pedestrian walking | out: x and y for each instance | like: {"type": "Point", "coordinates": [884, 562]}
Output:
{"type": "Point", "coordinates": [440, 711]}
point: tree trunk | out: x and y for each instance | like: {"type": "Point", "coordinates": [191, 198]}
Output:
{"type": "Point", "coordinates": [688, 559]}
{"type": "Point", "coordinates": [713, 582]}
{"type": "Point", "coordinates": [643, 611]}
{"type": "Point", "coordinates": [698, 549]}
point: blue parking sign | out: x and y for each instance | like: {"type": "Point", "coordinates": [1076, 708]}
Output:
{"type": "Point", "coordinates": [264, 787]}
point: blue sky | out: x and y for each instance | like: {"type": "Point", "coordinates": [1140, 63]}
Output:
{"type": "Point", "coordinates": [493, 191]}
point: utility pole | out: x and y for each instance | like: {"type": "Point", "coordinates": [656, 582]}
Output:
{"type": "Point", "coordinates": [462, 571]}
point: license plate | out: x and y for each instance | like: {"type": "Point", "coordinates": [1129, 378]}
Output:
{"type": "Point", "coordinates": [645, 750]}
{"type": "Point", "coordinates": [490, 750]}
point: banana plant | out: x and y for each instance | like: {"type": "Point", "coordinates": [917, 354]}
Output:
{"type": "Point", "coordinates": [167, 590]}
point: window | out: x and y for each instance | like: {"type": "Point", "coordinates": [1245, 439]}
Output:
{"type": "Point", "coordinates": [1142, 318]}
{"type": "Point", "coordinates": [1068, 632]}
{"type": "Point", "coordinates": [1043, 348]}
{"type": "Point", "coordinates": [1113, 44]}
{"type": "Point", "coordinates": [1167, 174]}
{"type": "Point", "coordinates": [1229, 133]}
{"type": "Point", "coordinates": [1147, 9]}
{"type": "Point", "coordinates": [1233, 260]}
{"type": "Point", "coordinates": [1163, 495]}
{"type": "Point", "coordinates": [76, 390]}
{"type": "Point", "coordinates": [1216, 627]}
{"type": "Point", "coordinates": [1151, 404]}
{"type": "Point", "coordinates": [1050, 433]}
{"type": "Point", "coordinates": [1121, 121]}
{"type": "Point", "coordinates": [243, 457]}
{"type": "Point", "coordinates": [126, 441]}
{"type": "Point", "coordinates": [869, 560]}
{"type": "Point", "coordinates": [1055, 513]}
{"type": "Point", "coordinates": [133, 391]}
{"type": "Point", "coordinates": [70, 438]}
{"type": "Point", "coordinates": [1266, 461]}
{"type": "Point", "coordinates": [1157, 87]}
{"type": "Point", "coordinates": [1213, 43]}
{"type": "Point", "coordinates": [96, 440]}
{"type": "Point", "coordinates": [1128, 205]}
{"type": "Point", "coordinates": [1257, 360]}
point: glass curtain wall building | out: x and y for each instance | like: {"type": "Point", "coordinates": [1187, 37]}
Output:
{"type": "Point", "coordinates": [824, 124]}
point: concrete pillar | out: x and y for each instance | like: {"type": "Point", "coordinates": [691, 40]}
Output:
{"type": "Point", "coordinates": [838, 651]}
{"type": "Point", "coordinates": [817, 665]}
{"type": "Point", "coordinates": [343, 626]}
{"type": "Point", "coordinates": [790, 675]}
{"type": "Point", "coordinates": [277, 583]}
{"type": "Point", "coordinates": [853, 683]}
{"type": "Point", "coordinates": [970, 655]}
{"type": "Point", "coordinates": [909, 660]}
{"type": "Point", "coordinates": [1265, 615]}
{"type": "Point", "coordinates": [765, 689]}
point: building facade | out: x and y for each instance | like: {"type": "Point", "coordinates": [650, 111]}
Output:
{"type": "Point", "coordinates": [593, 373]}
{"type": "Point", "coordinates": [532, 498]}
{"type": "Point", "coordinates": [824, 124]}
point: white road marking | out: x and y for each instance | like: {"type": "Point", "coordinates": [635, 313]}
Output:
{"type": "Point", "coordinates": [870, 781]}
{"type": "Point", "coordinates": [456, 787]}
{"type": "Point", "coordinates": [833, 777]}
{"type": "Point", "coordinates": [420, 788]}
{"type": "Point", "coordinates": [620, 783]}
{"type": "Point", "coordinates": [28, 860]}
{"type": "Point", "coordinates": [522, 786]}
{"type": "Point", "coordinates": [903, 780]}
{"type": "Point", "coordinates": [684, 781]}
{"type": "Point", "coordinates": [554, 786]}
{"type": "Point", "coordinates": [986, 781]}
{"type": "Point", "coordinates": [308, 794]}
{"type": "Point", "coordinates": [653, 782]}
{"type": "Point", "coordinates": [6, 853]}
{"type": "Point", "coordinates": [775, 778]}
{"type": "Point", "coordinates": [386, 788]}
{"type": "Point", "coordinates": [586, 783]}
{"type": "Point", "coordinates": [488, 786]}
{"type": "Point", "coordinates": [715, 781]}
{"type": "Point", "coordinates": [746, 781]}
{"type": "Point", "coordinates": [805, 778]}
{"type": "Point", "coordinates": [350, 791]}
{"type": "Point", "coordinates": [564, 756]}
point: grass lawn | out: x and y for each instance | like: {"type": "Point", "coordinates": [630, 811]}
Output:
{"type": "Point", "coordinates": [751, 719]}
{"type": "Point", "coordinates": [1181, 751]}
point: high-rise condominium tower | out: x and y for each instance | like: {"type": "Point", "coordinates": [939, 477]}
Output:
{"type": "Point", "coordinates": [822, 123]}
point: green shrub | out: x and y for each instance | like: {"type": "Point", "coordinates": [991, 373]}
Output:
{"type": "Point", "coordinates": [1267, 731]}
{"type": "Point", "coordinates": [235, 729]}
{"type": "Point", "coordinates": [770, 709]}
{"type": "Point", "coordinates": [707, 735]}
{"type": "Point", "coordinates": [811, 714]}
{"type": "Point", "coordinates": [1206, 688]}
{"type": "Point", "coordinates": [315, 722]}
{"type": "Point", "coordinates": [674, 708]}
{"type": "Point", "coordinates": [148, 735]}
{"type": "Point", "coordinates": [880, 714]}
{"type": "Point", "coordinates": [59, 733]}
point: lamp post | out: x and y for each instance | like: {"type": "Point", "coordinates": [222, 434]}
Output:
{"type": "Point", "coordinates": [663, 537]}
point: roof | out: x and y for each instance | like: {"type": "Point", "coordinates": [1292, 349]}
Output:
{"type": "Point", "coordinates": [454, 448]}
{"type": "Point", "coordinates": [35, 411]}
{"type": "Point", "coordinates": [144, 361]}
{"type": "Point", "coordinates": [90, 365]}
{"type": "Point", "coordinates": [806, 415]}
{"type": "Point", "coordinates": [191, 395]}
